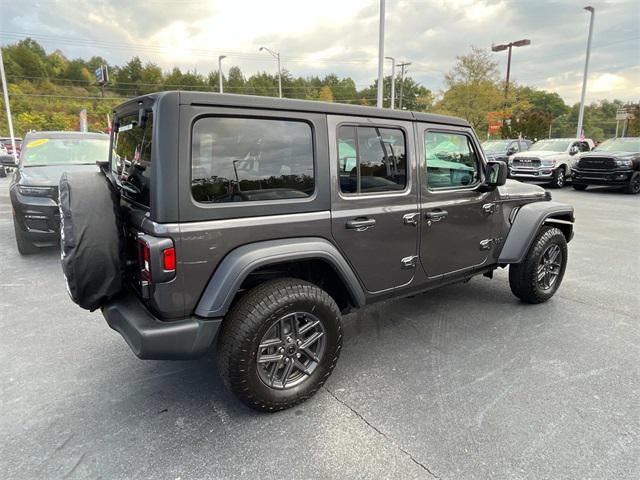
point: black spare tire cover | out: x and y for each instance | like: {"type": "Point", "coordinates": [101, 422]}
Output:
{"type": "Point", "coordinates": [91, 238]}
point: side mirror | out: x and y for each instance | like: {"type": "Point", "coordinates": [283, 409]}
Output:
{"type": "Point", "coordinates": [511, 151]}
{"type": "Point", "coordinates": [8, 161]}
{"type": "Point", "coordinates": [496, 174]}
{"type": "Point", "coordinates": [573, 150]}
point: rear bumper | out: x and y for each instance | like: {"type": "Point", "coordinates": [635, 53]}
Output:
{"type": "Point", "coordinates": [605, 177]}
{"type": "Point", "coordinates": [151, 338]}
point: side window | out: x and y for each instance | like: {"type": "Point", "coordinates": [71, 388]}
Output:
{"type": "Point", "coordinates": [584, 147]}
{"type": "Point", "coordinates": [371, 159]}
{"type": "Point", "coordinates": [251, 159]}
{"type": "Point", "coordinates": [451, 160]}
{"type": "Point", "coordinates": [515, 146]}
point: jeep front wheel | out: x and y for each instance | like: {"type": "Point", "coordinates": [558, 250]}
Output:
{"type": "Point", "coordinates": [559, 178]}
{"type": "Point", "coordinates": [279, 344]}
{"type": "Point", "coordinates": [537, 278]}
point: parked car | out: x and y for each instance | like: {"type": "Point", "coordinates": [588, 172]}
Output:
{"type": "Point", "coordinates": [6, 141]}
{"type": "Point", "coordinates": [615, 162]}
{"type": "Point", "coordinates": [503, 150]}
{"type": "Point", "coordinates": [254, 223]}
{"type": "Point", "coordinates": [3, 153]}
{"type": "Point", "coordinates": [548, 161]}
{"type": "Point", "coordinates": [34, 186]}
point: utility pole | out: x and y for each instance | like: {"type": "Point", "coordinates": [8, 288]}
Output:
{"type": "Point", "coordinates": [220, 57]}
{"type": "Point", "coordinates": [5, 92]}
{"type": "Point", "coordinates": [275, 55]}
{"type": "Point", "coordinates": [586, 69]}
{"type": "Point", "coordinates": [393, 82]}
{"type": "Point", "coordinates": [381, 56]}
{"type": "Point", "coordinates": [402, 70]}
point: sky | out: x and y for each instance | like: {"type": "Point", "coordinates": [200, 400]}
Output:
{"type": "Point", "coordinates": [341, 36]}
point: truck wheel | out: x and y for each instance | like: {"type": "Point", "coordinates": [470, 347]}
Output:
{"type": "Point", "coordinates": [537, 278]}
{"type": "Point", "coordinates": [3, 172]}
{"type": "Point", "coordinates": [634, 184]}
{"type": "Point", "coordinates": [579, 187]}
{"type": "Point", "coordinates": [559, 178]}
{"type": "Point", "coordinates": [25, 247]}
{"type": "Point", "coordinates": [279, 344]}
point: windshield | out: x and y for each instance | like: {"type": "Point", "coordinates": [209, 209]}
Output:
{"type": "Point", "coordinates": [131, 160]}
{"type": "Point", "coordinates": [496, 145]}
{"type": "Point", "coordinates": [65, 151]}
{"type": "Point", "coordinates": [620, 145]}
{"type": "Point", "coordinates": [551, 145]}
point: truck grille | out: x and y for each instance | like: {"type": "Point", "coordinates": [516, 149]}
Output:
{"type": "Point", "coordinates": [597, 163]}
{"type": "Point", "coordinates": [526, 162]}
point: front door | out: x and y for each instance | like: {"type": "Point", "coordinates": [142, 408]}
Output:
{"type": "Point", "coordinates": [374, 206]}
{"type": "Point", "coordinates": [459, 222]}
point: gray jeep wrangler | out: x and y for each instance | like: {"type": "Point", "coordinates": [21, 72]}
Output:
{"type": "Point", "coordinates": [252, 224]}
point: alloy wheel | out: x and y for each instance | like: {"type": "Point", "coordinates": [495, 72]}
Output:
{"type": "Point", "coordinates": [290, 350]}
{"type": "Point", "coordinates": [549, 267]}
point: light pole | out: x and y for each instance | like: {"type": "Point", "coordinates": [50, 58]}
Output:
{"type": "Point", "coordinates": [381, 56]}
{"type": "Point", "coordinates": [505, 46]}
{"type": "Point", "coordinates": [402, 69]}
{"type": "Point", "coordinates": [275, 55]}
{"type": "Point", "coordinates": [5, 92]}
{"type": "Point", "coordinates": [586, 69]}
{"type": "Point", "coordinates": [220, 57]}
{"type": "Point", "coordinates": [393, 81]}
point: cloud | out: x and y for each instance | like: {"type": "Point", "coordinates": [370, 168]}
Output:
{"type": "Point", "coordinates": [339, 36]}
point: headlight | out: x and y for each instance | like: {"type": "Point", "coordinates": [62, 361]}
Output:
{"type": "Point", "coordinates": [548, 162]}
{"type": "Point", "coordinates": [624, 163]}
{"type": "Point", "coordinates": [36, 191]}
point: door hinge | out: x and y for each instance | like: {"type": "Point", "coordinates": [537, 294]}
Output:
{"type": "Point", "coordinates": [410, 218]}
{"type": "Point", "coordinates": [409, 262]}
{"type": "Point", "coordinates": [489, 208]}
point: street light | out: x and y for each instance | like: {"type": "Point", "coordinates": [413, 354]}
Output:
{"type": "Point", "coordinates": [220, 71]}
{"type": "Point", "coordinates": [505, 46]}
{"type": "Point", "coordinates": [380, 56]}
{"type": "Point", "coordinates": [393, 81]}
{"type": "Point", "coordinates": [275, 55]}
{"type": "Point", "coordinates": [586, 68]}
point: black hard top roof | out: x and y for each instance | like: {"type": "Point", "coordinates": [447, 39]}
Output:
{"type": "Point", "coordinates": [271, 103]}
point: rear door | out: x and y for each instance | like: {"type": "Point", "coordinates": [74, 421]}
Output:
{"type": "Point", "coordinates": [460, 222]}
{"type": "Point", "coordinates": [374, 211]}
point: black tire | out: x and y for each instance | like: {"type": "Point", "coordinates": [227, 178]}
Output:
{"type": "Point", "coordinates": [634, 184]}
{"type": "Point", "coordinates": [580, 187]}
{"type": "Point", "coordinates": [524, 277]}
{"type": "Point", "coordinates": [559, 178]}
{"type": "Point", "coordinates": [25, 247]}
{"type": "Point", "coordinates": [252, 318]}
{"type": "Point", "coordinates": [3, 172]}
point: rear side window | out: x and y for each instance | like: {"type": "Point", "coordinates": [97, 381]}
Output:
{"type": "Point", "coordinates": [371, 159]}
{"type": "Point", "coordinates": [131, 160]}
{"type": "Point", "coordinates": [251, 159]}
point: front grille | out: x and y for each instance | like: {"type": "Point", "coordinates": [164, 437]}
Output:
{"type": "Point", "coordinates": [597, 163]}
{"type": "Point", "coordinates": [526, 162]}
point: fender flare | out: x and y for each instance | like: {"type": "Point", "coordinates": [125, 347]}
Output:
{"type": "Point", "coordinates": [527, 223]}
{"type": "Point", "coordinates": [239, 263]}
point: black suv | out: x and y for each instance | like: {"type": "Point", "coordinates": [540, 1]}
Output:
{"type": "Point", "coordinates": [503, 149]}
{"type": "Point", "coordinates": [34, 185]}
{"type": "Point", "coordinates": [614, 163]}
{"type": "Point", "coordinates": [254, 223]}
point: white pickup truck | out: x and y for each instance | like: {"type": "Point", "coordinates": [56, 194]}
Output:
{"type": "Point", "coordinates": [548, 161]}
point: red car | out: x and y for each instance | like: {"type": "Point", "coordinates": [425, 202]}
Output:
{"type": "Point", "coordinates": [6, 141]}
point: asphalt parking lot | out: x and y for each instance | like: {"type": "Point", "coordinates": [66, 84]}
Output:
{"type": "Point", "coordinates": [464, 382]}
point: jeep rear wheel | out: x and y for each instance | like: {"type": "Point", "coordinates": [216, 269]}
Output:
{"type": "Point", "coordinates": [559, 178]}
{"type": "Point", "coordinates": [537, 278]}
{"type": "Point", "coordinates": [279, 344]}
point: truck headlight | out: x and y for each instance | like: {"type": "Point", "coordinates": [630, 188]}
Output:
{"type": "Point", "coordinates": [36, 191]}
{"type": "Point", "coordinates": [624, 163]}
{"type": "Point", "coordinates": [548, 162]}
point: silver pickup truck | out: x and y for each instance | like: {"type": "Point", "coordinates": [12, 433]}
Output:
{"type": "Point", "coordinates": [548, 161]}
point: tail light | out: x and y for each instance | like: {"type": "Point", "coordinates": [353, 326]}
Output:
{"type": "Point", "coordinates": [156, 259]}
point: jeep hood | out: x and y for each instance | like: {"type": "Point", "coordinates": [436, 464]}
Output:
{"type": "Point", "coordinates": [49, 175]}
{"type": "Point", "coordinates": [513, 190]}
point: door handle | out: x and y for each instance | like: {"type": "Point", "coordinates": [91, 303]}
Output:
{"type": "Point", "coordinates": [360, 224]}
{"type": "Point", "coordinates": [436, 215]}
{"type": "Point", "coordinates": [410, 219]}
